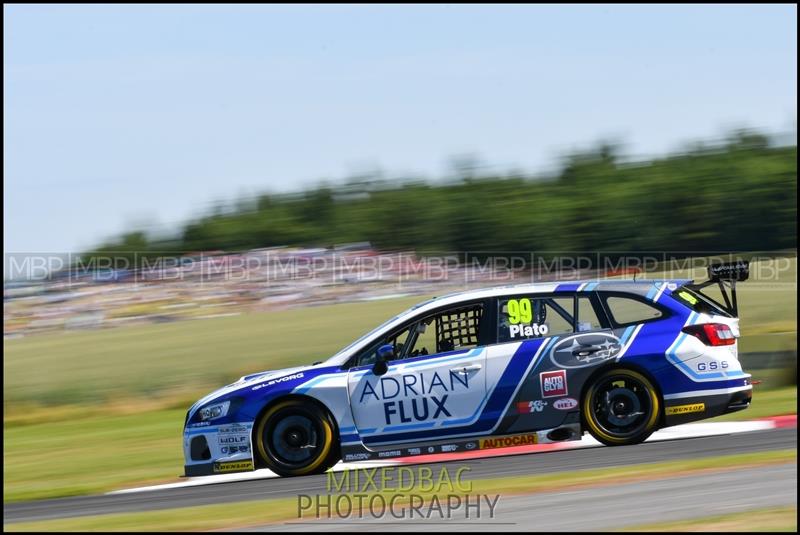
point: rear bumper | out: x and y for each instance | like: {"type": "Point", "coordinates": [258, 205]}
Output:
{"type": "Point", "coordinates": [706, 404]}
{"type": "Point", "coordinates": [739, 401]}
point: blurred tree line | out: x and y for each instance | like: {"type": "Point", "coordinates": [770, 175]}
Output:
{"type": "Point", "coordinates": [740, 195]}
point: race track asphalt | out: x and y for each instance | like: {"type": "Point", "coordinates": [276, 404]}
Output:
{"type": "Point", "coordinates": [605, 508]}
{"type": "Point", "coordinates": [534, 464]}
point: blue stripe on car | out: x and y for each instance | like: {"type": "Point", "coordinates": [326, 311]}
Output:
{"type": "Point", "coordinates": [493, 410]}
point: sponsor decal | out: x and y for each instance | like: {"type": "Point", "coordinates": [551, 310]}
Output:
{"type": "Point", "coordinates": [565, 404]}
{"type": "Point", "coordinates": [414, 451]}
{"type": "Point", "coordinates": [232, 429]}
{"type": "Point", "coordinates": [712, 365]}
{"type": "Point", "coordinates": [527, 407]}
{"type": "Point", "coordinates": [233, 439]}
{"type": "Point", "coordinates": [237, 466]}
{"type": "Point", "coordinates": [234, 449]}
{"type": "Point", "coordinates": [505, 442]}
{"type": "Point", "coordinates": [279, 380]}
{"type": "Point", "coordinates": [414, 397]}
{"type": "Point", "coordinates": [199, 424]}
{"type": "Point", "coordinates": [554, 384]}
{"type": "Point", "coordinates": [393, 453]}
{"type": "Point", "coordinates": [449, 447]}
{"type": "Point", "coordinates": [356, 457]}
{"type": "Point", "coordinates": [685, 409]}
{"type": "Point", "coordinates": [471, 445]}
{"type": "Point", "coordinates": [584, 350]}
{"type": "Point", "coordinates": [431, 449]}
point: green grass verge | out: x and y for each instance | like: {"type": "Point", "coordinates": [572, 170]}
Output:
{"type": "Point", "coordinates": [765, 403]}
{"type": "Point", "coordinates": [269, 511]}
{"type": "Point", "coordinates": [772, 378]}
{"type": "Point", "coordinates": [92, 454]}
{"type": "Point", "coordinates": [179, 359]}
{"type": "Point", "coordinates": [770, 519]}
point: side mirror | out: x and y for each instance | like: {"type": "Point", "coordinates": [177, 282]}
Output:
{"type": "Point", "coordinates": [384, 353]}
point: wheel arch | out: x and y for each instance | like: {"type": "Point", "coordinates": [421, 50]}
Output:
{"type": "Point", "coordinates": [300, 397]}
{"type": "Point", "coordinates": [623, 366]}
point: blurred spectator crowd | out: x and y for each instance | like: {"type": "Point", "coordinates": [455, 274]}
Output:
{"type": "Point", "coordinates": [212, 284]}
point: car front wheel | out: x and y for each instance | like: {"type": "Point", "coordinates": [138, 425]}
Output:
{"type": "Point", "coordinates": [296, 438]}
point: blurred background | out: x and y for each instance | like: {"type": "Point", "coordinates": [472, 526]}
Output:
{"type": "Point", "coordinates": [196, 193]}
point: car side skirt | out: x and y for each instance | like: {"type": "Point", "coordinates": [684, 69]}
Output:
{"type": "Point", "coordinates": [563, 433]}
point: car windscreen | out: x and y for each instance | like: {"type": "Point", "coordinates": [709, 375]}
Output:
{"type": "Point", "coordinates": [342, 355]}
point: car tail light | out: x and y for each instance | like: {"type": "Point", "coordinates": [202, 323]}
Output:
{"type": "Point", "coordinates": [712, 334]}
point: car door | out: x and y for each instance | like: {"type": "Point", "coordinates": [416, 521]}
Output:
{"type": "Point", "coordinates": [547, 345]}
{"type": "Point", "coordinates": [528, 327]}
{"type": "Point", "coordinates": [433, 388]}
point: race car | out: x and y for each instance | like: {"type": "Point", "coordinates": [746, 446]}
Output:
{"type": "Point", "coordinates": [513, 365]}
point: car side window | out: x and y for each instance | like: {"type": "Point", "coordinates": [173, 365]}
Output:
{"type": "Point", "coordinates": [524, 317]}
{"type": "Point", "coordinates": [397, 339]}
{"type": "Point", "coordinates": [447, 330]}
{"type": "Point", "coordinates": [627, 310]}
{"type": "Point", "coordinates": [587, 315]}
{"type": "Point", "coordinates": [425, 338]}
{"type": "Point", "coordinates": [699, 301]}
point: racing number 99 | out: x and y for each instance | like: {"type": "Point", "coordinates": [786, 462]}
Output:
{"type": "Point", "coordinates": [519, 311]}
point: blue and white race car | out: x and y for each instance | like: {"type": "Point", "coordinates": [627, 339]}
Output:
{"type": "Point", "coordinates": [514, 365]}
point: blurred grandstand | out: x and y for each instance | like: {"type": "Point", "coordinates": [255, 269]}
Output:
{"type": "Point", "coordinates": [216, 283]}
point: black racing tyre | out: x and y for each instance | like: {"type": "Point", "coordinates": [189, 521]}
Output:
{"type": "Point", "coordinates": [296, 438]}
{"type": "Point", "coordinates": [621, 407]}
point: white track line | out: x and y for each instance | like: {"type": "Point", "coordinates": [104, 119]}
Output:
{"type": "Point", "coordinates": [671, 433]}
{"type": "Point", "coordinates": [243, 476]}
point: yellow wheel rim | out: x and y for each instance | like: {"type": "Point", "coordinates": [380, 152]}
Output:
{"type": "Point", "coordinates": [589, 413]}
{"type": "Point", "coordinates": [327, 442]}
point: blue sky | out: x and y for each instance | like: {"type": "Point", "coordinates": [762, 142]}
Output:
{"type": "Point", "coordinates": [129, 116]}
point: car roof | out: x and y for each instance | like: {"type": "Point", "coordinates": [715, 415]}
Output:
{"type": "Point", "coordinates": [585, 285]}
{"type": "Point", "coordinates": [641, 287]}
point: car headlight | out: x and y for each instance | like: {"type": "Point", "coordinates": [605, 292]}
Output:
{"type": "Point", "coordinates": [211, 412]}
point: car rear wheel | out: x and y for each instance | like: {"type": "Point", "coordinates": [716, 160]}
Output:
{"type": "Point", "coordinates": [296, 438]}
{"type": "Point", "coordinates": [621, 407]}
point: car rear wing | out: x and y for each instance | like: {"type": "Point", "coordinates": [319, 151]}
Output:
{"type": "Point", "coordinates": [726, 275]}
